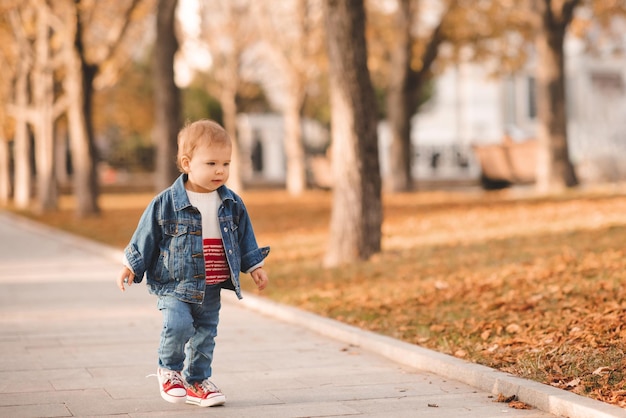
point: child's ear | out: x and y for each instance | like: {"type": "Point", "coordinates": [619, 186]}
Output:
{"type": "Point", "coordinates": [184, 163]}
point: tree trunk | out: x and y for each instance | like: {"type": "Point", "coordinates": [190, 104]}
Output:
{"type": "Point", "coordinates": [5, 171]}
{"type": "Point", "coordinates": [43, 97]}
{"type": "Point", "coordinates": [61, 153]}
{"type": "Point", "coordinates": [355, 227]}
{"type": "Point", "coordinates": [229, 107]}
{"type": "Point", "coordinates": [294, 145]}
{"type": "Point", "coordinates": [228, 74]}
{"type": "Point", "coordinates": [79, 147]}
{"type": "Point", "coordinates": [399, 111]}
{"type": "Point", "coordinates": [23, 182]}
{"type": "Point", "coordinates": [554, 168]}
{"type": "Point", "coordinates": [85, 164]}
{"type": "Point", "coordinates": [79, 90]}
{"type": "Point", "coordinates": [167, 95]}
{"type": "Point", "coordinates": [90, 201]}
{"type": "Point", "coordinates": [22, 148]}
{"type": "Point", "coordinates": [294, 56]}
{"type": "Point", "coordinates": [405, 93]}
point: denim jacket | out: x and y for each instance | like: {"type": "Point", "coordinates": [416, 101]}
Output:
{"type": "Point", "coordinates": [167, 244]}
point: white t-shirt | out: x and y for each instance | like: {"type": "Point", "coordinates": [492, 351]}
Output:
{"type": "Point", "coordinates": [215, 261]}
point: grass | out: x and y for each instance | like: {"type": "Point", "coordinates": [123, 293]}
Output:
{"type": "Point", "coordinates": [531, 286]}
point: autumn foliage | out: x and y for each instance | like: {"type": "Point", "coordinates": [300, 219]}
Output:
{"type": "Point", "coordinates": [530, 286]}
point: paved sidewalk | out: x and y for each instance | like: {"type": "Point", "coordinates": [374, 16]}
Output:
{"type": "Point", "coordinates": [74, 345]}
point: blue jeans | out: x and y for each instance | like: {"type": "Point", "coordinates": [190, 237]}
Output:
{"type": "Point", "coordinates": [189, 331]}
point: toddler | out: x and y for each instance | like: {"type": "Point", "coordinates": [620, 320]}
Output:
{"type": "Point", "coordinates": [192, 240]}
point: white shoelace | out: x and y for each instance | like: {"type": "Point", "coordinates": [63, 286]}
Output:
{"type": "Point", "coordinates": [208, 386]}
{"type": "Point", "coordinates": [168, 375]}
{"type": "Point", "coordinates": [175, 378]}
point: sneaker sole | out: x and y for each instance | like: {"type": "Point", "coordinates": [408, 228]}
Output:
{"type": "Point", "coordinates": [174, 399]}
{"type": "Point", "coordinates": [213, 401]}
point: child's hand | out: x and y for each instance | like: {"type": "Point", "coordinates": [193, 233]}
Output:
{"type": "Point", "coordinates": [260, 278]}
{"type": "Point", "coordinates": [126, 277]}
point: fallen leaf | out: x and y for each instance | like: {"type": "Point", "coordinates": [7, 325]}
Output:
{"type": "Point", "coordinates": [513, 328]}
{"type": "Point", "coordinates": [437, 328]}
{"type": "Point", "coordinates": [519, 405]}
{"type": "Point", "coordinates": [602, 370]}
{"type": "Point", "coordinates": [506, 399]}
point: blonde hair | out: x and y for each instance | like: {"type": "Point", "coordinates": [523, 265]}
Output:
{"type": "Point", "coordinates": [204, 131]}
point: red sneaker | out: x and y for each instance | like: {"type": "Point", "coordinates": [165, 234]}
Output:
{"type": "Point", "coordinates": [204, 394]}
{"type": "Point", "coordinates": [171, 385]}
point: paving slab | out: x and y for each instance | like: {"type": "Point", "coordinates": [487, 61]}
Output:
{"type": "Point", "coordinates": [74, 345]}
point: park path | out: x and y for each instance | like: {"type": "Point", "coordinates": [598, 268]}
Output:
{"type": "Point", "coordinates": [74, 345]}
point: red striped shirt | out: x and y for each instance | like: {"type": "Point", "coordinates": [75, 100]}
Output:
{"type": "Point", "coordinates": [215, 262]}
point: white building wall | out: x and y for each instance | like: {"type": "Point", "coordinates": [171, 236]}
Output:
{"type": "Point", "coordinates": [466, 108]}
{"type": "Point", "coordinates": [597, 123]}
{"type": "Point", "coordinates": [470, 107]}
{"type": "Point", "coordinates": [269, 130]}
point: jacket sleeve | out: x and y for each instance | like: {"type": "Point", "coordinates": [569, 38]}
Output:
{"type": "Point", "coordinates": [143, 250]}
{"type": "Point", "coordinates": [251, 254]}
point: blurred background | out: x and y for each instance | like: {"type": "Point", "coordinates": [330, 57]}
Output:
{"type": "Point", "coordinates": [472, 92]}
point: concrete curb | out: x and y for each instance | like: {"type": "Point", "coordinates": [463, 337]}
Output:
{"type": "Point", "coordinates": [546, 398]}
{"type": "Point", "coordinates": [543, 397]}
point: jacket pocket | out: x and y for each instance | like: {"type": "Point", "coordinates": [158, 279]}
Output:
{"type": "Point", "coordinates": [162, 273]}
{"type": "Point", "coordinates": [176, 249]}
{"type": "Point", "coordinates": [174, 229]}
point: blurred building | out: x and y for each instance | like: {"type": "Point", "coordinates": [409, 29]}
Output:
{"type": "Point", "coordinates": [471, 108]}
{"type": "Point", "coordinates": [261, 140]}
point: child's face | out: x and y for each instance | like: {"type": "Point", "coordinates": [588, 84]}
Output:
{"type": "Point", "coordinates": [208, 168]}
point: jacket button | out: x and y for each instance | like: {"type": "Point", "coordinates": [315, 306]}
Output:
{"type": "Point", "coordinates": [225, 229]}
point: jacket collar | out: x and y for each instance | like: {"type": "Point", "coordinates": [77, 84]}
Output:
{"type": "Point", "coordinates": [181, 199]}
{"type": "Point", "coordinates": [179, 195]}
{"type": "Point", "coordinates": [226, 194]}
